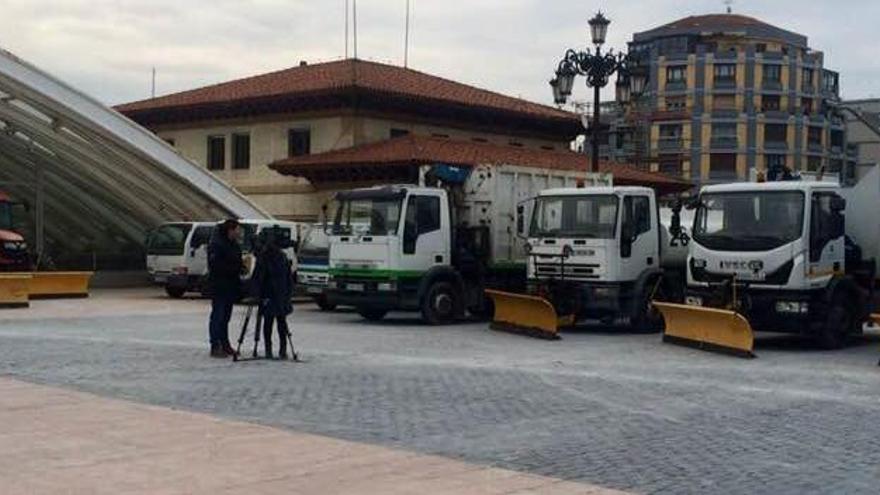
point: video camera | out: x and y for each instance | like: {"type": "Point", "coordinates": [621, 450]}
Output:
{"type": "Point", "coordinates": [273, 236]}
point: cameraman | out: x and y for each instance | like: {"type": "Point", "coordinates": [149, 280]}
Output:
{"type": "Point", "coordinates": [274, 288]}
{"type": "Point", "coordinates": [224, 271]}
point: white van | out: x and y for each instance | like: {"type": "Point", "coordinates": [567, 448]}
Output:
{"type": "Point", "coordinates": [177, 256]}
{"type": "Point", "coordinates": [177, 253]}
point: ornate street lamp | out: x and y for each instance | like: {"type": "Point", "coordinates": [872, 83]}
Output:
{"type": "Point", "coordinates": [598, 69]}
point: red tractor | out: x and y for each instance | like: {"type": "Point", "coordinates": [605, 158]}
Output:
{"type": "Point", "coordinates": [13, 248]}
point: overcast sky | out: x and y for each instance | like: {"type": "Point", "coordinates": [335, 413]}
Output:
{"type": "Point", "coordinates": [107, 48]}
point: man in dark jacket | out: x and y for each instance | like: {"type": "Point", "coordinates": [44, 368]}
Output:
{"type": "Point", "coordinates": [224, 272]}
{"type": "Point", "coordinates": [272, 281]}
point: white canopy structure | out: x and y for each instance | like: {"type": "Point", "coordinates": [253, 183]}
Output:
{"type": "Point", "coordinates": [96, 180]}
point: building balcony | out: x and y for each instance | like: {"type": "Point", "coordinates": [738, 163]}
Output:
{"type": "Point", "coordinates": [816, 118]}
{"type": "Point", "coordinates": [776, 115]}
{"type": "Point", "coordinates": [815, 147]}
{"type": "Point", "coordinates": [771, 85]}
{"type": "Point", "coordinates": [670, 144]}
{"type": "Point", "coordinates": [676, 86]}
{"type": "Point", "coordinates": [773, 55]}
{"type": "Point", "coordinates": [726, 56]}
{"type": "Point", "coordinates": [725, 114]}
{"type": "Point", "coordinates": [676, 56]}
{"type": "Point", "coordinates": [724, 84]}
{"type": "Point", "coordinates": [775, 145]}
{"type": "Point", "coordinates": [670, 115]}
{"type": "Point", "coordinates": [724, 142]}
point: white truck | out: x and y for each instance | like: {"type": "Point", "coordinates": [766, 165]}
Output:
{"type": "Point", "coordinates": [793, 256]}
{"type": "Point", "coordinates": [598, 254]}
{"type": "Point", "coordinates": [436, 249]}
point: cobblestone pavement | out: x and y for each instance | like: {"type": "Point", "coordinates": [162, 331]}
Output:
{"type": "Point", "coordinates": [611, 409]}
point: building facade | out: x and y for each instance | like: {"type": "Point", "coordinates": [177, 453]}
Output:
{"type": "Point", "coordinates": [238, 128]}
{"type": "Point", "coordinates": [727, 94]}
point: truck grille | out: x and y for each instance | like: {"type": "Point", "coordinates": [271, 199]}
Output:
{"type": "Point", "coordinates": [555, 270]}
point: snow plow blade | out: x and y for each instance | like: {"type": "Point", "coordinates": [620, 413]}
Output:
{"type": "Point", "coordinates": [56, 285]}
{"type": "Point", "coordinates": [711, 329]}
{"type": "Point", "coordinates": [14, 290]}
{"type": "Point", "coordinates": [527, 315]}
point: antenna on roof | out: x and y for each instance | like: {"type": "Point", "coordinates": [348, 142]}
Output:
{"type": "Point", "coordinates": [354, 15]}
{"type": "Point", "coordinates": [729, 4]}
{"type": "Point", "coordinates": [406, 38]}
{"type": "Point", "coordinates": [346, 28]}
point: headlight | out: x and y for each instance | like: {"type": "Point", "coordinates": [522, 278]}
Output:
{"type": "Point", "coordinates": [693, 301]}
{"type": "Point", "coordinates": [794, 307]}
{"type": "Point", "coordinates": [699, 263]}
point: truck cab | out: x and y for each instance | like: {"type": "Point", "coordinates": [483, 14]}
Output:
{"type": "Point", "coordinates": [391, 249]}
{"type": "Point", "coordinates": [777, 253]}
{"type": "Point", "coordinates": [14, 254]}
{"type": "Point", "coordinates": [597, 252]}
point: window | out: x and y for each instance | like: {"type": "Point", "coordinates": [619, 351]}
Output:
{"type": "Point", "coordinates": [216, 152]}
{"type": "Point", "coordinates": [670, 131]}
{"type": "Point", "coordinates": [773, 73]}
{"type": "Point", "coordinates": [676, 74]}
{"type": "Point", "coordinates": [775, 167]}
{"type": "Point", "coordinates": [761, 47]}
{"type": "Point", "coordinates": [241, 151]}
{"type": "Point", "coordinates": [814, 136]}
{"type": "Point", "coordinates": [399, 133]}
{"type": "Point", "coordinates": [670, 167]}
{"type": "Point", "coordinates": [775, 133]}
{"type": "Point", "coordinates": [168, 239]}
{"type": "Point", "coordinates": [722, 166]}
{"type": "Point", "coordinates": [830, 81]}
{"type": "Point", "coordinates": [724, 135]}
{"type": "Point", "coordinates": [809, 77]}
{"type": "Point", "coordinates": [724, 102]}
{"type": "Point", "coordinates": [422, 217]}
{"type": "Point", "coordinates": [826, 224]}
{"type": "Point", "coordinates": [299, 142]}
{"type": "Point", "coordinates": [676, 103]}
{"type": "Point", "coordinates": [770, 103]}
{"type": "Point", "coordinates": [637, 211]}
{"type": "Point", "coordinates": [814, 163]}
{"type": "Point", "coordinates": [201, 237]}
{"type": "Point", "coordinates": [593, 216]}
{"type": "Point", "coordinates": [807, 106]}
{"type": "Point", "coordinates": [725, 72]}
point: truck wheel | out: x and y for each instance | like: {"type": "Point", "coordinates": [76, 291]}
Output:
{"type": "Point", "coordinates": [646, 318]}
{"type": "Point", "coordinates": [838, 324]}
{"type": "Point", "coordinates": [324, 304]}
{"type": "Point", "coordinates": [441, 305]}
{"type": "Point", "coordinates": [372, 314]}
{"type": "Point", "coordinates": [175, 292]}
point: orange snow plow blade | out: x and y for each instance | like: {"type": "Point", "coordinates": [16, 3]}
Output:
{"type": "Point", "coordinates": [51, 285]}
{"type": "Point", "coordinates": [14, 290]}
{"type": "Point", "coordinates": [711, 329]}
{"type": "Point", "coordinates": [527, 315]}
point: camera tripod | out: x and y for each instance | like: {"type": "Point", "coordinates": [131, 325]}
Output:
{"type": "Point", "coordinates": [258, 329]}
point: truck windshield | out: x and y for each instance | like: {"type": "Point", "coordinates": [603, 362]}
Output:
{"type": "Point", "coordinates": [593, 217]}
{"type": "Point", "coordinates": [5, 215]}
{"type": "Point", "coordinates": [168, 239]}
{"type": "Point", "coordinates": [367, 216]}
{"type": "Point", "coordinates": [315, 242]}
{"type": "Point", "coordinates": [749, 221]}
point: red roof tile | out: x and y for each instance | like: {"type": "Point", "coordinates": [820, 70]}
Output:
{"type": "Point", "coordinates": [416, 150]}
{"type": "Point", "coordinates": [348, 74]}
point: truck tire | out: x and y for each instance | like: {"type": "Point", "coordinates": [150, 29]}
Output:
{"type": "Point", "coordinates": [646, 318]}
{"type": "Point", "coordinates": [175, 292]}
{"type": "Point", "coordinates": [441, 304]}
{"type": "Point", "coordinates": [324, 304]}
{"type": "Point", "coordinates": [372, 314]}
{"type": "Point", "coordinates": [838, 324]}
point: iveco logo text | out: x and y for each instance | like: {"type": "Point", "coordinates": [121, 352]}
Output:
{"type": "Point", "coordinates": [739, 265]}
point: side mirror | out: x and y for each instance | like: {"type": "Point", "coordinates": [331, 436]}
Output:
{"type": "Point", "coordinates": [520, 220]}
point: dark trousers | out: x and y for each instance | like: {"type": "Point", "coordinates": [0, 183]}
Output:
{"type": "Point", "coordinates": [282, 332]}
{"type": "Point", "coordinates": [221, 312]}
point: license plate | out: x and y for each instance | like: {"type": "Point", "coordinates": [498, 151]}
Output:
{"type": "Point", "coordinates": [314, 290]}
{"type": "Point", "coordinates": [355, 287]}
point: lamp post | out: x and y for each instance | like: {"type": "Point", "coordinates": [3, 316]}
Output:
{"type": "Point", "coordinates": [596, 67]}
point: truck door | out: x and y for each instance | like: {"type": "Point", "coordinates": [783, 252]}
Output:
{"type": "Point", "coordinates": [827, 249]}
{"type": "Point", "coordinates": [426, 233]}
{"type": "Point", "coordinates": [197, 256]}
{"type": "Point", "coordinates": [638, 247]}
